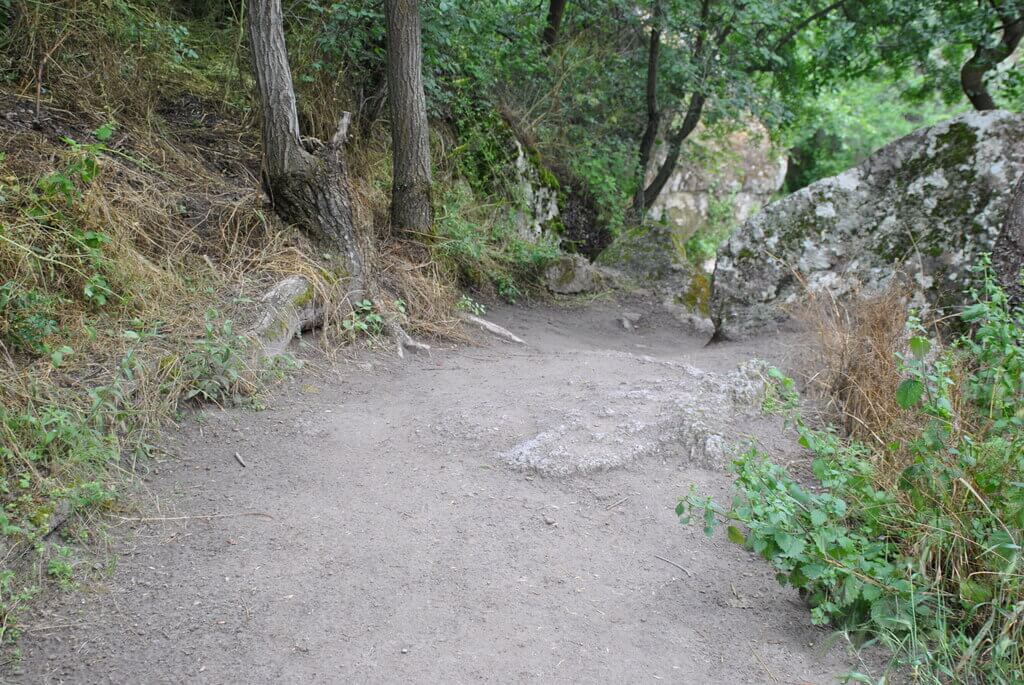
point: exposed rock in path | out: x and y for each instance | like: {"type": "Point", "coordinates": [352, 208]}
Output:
{"type": "Point", "coordinates": [927, 205]}
{"type": "Point", "coordinates": [688, 416]}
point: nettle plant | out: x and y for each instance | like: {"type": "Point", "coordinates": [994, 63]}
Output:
{"type": "Point", "coordinates": [365, 320]}
{"type": "Point", "coordinates": [915, 543]}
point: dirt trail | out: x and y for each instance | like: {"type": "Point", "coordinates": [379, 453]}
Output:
{"type": "Point", "coordinates": [488, 513]}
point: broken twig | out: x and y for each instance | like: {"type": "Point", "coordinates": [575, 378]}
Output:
{"type": "Point", "coordinates": [681, 568]}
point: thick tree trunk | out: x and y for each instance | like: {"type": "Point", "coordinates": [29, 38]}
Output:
{"type": "Point", "coordinates": [1008, 252]}
{"type": "Point", "coordinates": [411, 208]}
{"type": "Point", "coordinates": [556, 8]}
{"type": "Point", "coordinates": [308, 190]}
{"type": "Point", "coordinates": [984, 59]}
{"type": "Point", "coordinates": [650, 135]}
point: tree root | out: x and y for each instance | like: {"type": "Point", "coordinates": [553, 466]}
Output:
{"type": "Point", "coordinates": [404, 340]}
{"type": "Point", "coordinates": [292, 307]}
{"type": "Point", "coordinates": [492, 328]}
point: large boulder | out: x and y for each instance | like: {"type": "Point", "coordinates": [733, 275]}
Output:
{"type": "Point", "coordinates": [720, 177]}
{"type": "Point", "coordinates": [572, 274]}
{"type": "Point", "coordinates": [926, 205]}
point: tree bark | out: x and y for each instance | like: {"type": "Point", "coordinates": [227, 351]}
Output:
{"type": "Point", "coordinates": [986, 58]}
{"type": "Point", "coordinates": [1008, 252]}
{"type": "Point", "coordinates": [556, 8]}
{"type": "Point", "coordinates": [650, 135]}
{"type": "Point", "coordinates": [308, 190]}
{"type": "Point", "coordinates": [675, 145]}
{"type": "Point", "coordinates": [706, 46]}
{"type": "Point", "coordinates": [411, 208]}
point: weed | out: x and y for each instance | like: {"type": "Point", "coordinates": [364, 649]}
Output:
{"type": "Point", "coordinates": [363, 320]}
{"type": "Point", "coordinates": [216, 367]}
{"type": "Point", "coordinates": [468, 304]}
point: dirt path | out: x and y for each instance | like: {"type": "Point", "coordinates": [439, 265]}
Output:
{"type": "Point", "coordinates": [489, 513]}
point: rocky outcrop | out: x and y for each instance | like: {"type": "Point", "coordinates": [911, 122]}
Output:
{"type": "Point", "coordinates": [925, 205]}
{"type": "Point", "coordinates": [572, 274]}
{"type": "Point", "coordinates": [734, 174]}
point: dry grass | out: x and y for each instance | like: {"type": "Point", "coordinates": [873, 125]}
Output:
{"type": "Point", "coordinates": [855, 369]}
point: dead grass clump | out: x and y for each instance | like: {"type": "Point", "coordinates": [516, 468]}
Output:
{"type": "Point", "coordinates": [857, 368]}
{"type": "Point", "coordinates": [857, 371]}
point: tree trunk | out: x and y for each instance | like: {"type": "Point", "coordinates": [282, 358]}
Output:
{"type": "Point", "coordinates": [308, 190]}
{"type": "Point", "coordinates": [675, 145]}
{"type": "Point", "coordinates": [556, 8]}
{"type": "Point", "coordinates": [984, 59]}
{"type": "Point", "coordinates": [653, 113]}
{"type": "Point", "coordinates": [411, 208]}
{"type": "Point", "coordinates": [1008, 252]}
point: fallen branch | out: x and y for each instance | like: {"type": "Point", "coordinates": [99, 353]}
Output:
{"type": "Point", "coordinates": [492, 328]}
{"type": "Point", "coordinates": [681, 568]}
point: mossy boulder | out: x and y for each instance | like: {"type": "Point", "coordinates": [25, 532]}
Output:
{"type": "Point", "coordinates": [925, 206]}
{"type": "Point", "coordinates": [573, 274]}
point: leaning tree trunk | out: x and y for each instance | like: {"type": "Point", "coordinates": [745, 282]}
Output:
{"type": "Point", "coordinates": [675, 145]}
{"type": "Point", "coordinates": [411, 208]}
{"type": "Point", "coordinates": [986, 58]}
{"type": "Point", "coordinates": [308, 190]}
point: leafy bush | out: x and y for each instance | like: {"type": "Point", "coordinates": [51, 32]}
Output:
{"type": "Point", "coordinates": [929, 562]}
{"type": "Point", "coordinates": [483, 246]}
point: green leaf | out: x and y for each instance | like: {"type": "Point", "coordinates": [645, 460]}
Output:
{"type": "Point", "coordinates": [735, 535]}
{"type": "Point", "coordinates": [871, 592]}
{"type": "Point", "coordinates": [920, 347]}
{"type": "Point", "coordinates": [973, 593]}
{"type": "Point", "coordinates": [909, 393]}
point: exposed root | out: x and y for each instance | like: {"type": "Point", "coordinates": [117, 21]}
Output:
{"type": "Point", "coordinates": [291, 308]}
{"type": "Point", "coordinates": [404, 340]}
{"type": "Point", "coordinates": [492, 328]}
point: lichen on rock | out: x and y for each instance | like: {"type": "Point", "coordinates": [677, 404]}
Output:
{"type": "Point", "coordinates": [925, 205]}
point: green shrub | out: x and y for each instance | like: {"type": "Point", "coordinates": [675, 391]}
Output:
{"type": "Point", "coordinates": [483, 246]}
{"type": "Point", "coordinates": [928, 563]}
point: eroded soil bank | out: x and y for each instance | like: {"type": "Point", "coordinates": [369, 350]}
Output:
{"type": "Point", "coordinates": [491, 513]}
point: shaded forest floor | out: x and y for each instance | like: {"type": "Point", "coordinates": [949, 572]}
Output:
{"type": "Point", "coordinates": [384, 528]}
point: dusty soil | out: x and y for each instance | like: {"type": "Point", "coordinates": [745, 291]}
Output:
{"type": "Point", "coordinates": [490, 513]}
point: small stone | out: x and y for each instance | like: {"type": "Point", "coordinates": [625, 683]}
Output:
{"type": "Point", "coordinates": [548, 520]}
{"type": "Point", "coordinates": [405, 650]}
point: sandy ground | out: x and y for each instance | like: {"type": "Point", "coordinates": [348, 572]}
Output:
{"type": "Point", "coordinates": [490, 513]}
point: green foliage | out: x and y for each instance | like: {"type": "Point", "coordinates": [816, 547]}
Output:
{"type": "Point", "coordinates": [997, 351]}
{"type": "Point", "coordinates": [27, 318]}
{"type": "Point", "coordinates": [363, 320]}
{"type": "Point", "coordinates": [216, 367]}
{"type": "Point", "coordinates": [703, 244]}
{"type": "Point", "coordinates": [468, 304]}
{"type": "Point", "coordinates": [482, 245]}
{"type": "Point", "coordinates": [928, 562]}
{"type": "Point", "coordinates": [840, 126]}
